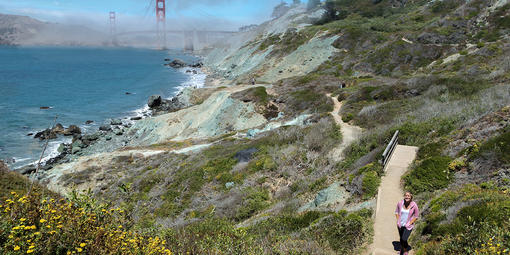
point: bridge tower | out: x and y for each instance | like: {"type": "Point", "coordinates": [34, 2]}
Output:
{"type": "Point", "coordinates": [161, 21]}
{"type": "Point", "coordinates": [113, 28]}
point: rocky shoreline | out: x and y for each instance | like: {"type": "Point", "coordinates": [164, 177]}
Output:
{"type": "Point", "coordinates": [112, 135]}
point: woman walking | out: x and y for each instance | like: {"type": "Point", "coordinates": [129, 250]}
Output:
{"type": "Point", "coordinates": [407, 213]}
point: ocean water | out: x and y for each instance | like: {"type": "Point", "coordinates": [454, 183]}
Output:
{"type": "Point", "coordinates": [79, 84]}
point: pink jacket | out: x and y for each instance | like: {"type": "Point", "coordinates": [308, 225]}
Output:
{"type": "Point", "coordinates": [413, 213]}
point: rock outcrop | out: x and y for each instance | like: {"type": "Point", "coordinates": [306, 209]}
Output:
{"type": "Point", "coordinates": [160, 106]}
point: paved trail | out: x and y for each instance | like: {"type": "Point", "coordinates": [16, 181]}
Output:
{"type": "Point", "coordinates": [390, 193]}
{"type": "Point", "coordinates": [350, 133]}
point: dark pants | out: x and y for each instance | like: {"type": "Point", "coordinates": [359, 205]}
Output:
{"type": "Point", "coordinates": [404, 235]}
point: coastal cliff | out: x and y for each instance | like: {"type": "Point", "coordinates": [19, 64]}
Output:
{"type": "Point", "coordinates": [266, 168]}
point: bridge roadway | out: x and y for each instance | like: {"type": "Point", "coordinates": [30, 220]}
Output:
{"type": "Point", "coordinates": [218, 32]}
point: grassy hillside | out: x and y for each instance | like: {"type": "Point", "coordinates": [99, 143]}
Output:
{"type": "Point", "coordinates": [437, 71]}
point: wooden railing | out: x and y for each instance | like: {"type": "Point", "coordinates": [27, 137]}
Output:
{"type": "Point", "coordinates": [389, 149]}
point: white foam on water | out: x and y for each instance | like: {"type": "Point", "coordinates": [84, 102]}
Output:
{"type": "Point", "coordinates": [51, 151]}
{"type": "Point", "coordinates": [194, 80]}
{"type": "Point", "coordinates": [18, 160]}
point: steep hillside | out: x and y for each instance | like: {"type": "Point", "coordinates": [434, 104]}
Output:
{"type": "Point", "coordinates": [260, 172]}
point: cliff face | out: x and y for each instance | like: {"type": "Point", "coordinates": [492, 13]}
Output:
{"type": "Point", "coordinates": [23, 30]}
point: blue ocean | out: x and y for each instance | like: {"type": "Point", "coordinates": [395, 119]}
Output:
{"type": "Point", "coordinates": [79, 84]}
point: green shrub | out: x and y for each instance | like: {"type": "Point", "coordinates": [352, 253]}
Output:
{"type": "Point", "coordinates": [370, 184]}
{"type": "Point", "coordinates": [364, 93]}
{"type": "Point", "coordinates": [256, 199]}
{"type": "Point", "coordinates": [445, 6]}
{"type": "Point", "coordinates": [345, 232]}
{"type": "Point", "coordinates": [461, 87]}
{"type": "Point", "coordinates": [310, 100]}
{"type": "Point", "coordinates": [259, 93]}
{"type": "Point", "coordinates": [42, 225]}
{"type": "Point", "coordinates": [262, 163]}
{"type": "Point", "coordinates": [270, 40]}
{"type": "Point", "coordinates": [431, 174]}
{"type": "Point", "coordinates": [347, 117]}
{"type": "Point", "coordinates": [479, 226]}
{"type": "Point", "coordinates": [318, 184]}
{"type": "Point", "coordinates": [286, 224]}
{"type": "Point", "coordinates": [498, 146]}
{"type": "Point", "coordinates": [374, 166]}
{"type": "Point", "coordinates": [488, 35]}
{"type": "Point", "coordinates": [215, 167]}
{"type": "Point", "coordinates": [211, 236]}
{"type": "Point", "coordinates": [430, 150]}
{"type": "Point", "coordinates": [308, 78]}
{"type": "Point", "coordinates": [419, 133]}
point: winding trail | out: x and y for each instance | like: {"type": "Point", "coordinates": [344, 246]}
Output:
{"type": "Point", "coordinates": [390, 192]}
{"type": "Point", "coordinates": [350, 133]}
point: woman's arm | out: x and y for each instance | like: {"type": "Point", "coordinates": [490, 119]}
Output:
{"type": "Point", "coordinates": [397, 212]}
{"type": "Point", "coordinates": [416, 214]}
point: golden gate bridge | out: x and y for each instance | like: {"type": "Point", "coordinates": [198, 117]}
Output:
{"type": "Point", "coordinates": [191, 38]}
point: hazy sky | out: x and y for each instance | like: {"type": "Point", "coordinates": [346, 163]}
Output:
{"type": "Point", "coordinates": [223, 14]}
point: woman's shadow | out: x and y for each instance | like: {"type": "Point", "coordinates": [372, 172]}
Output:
{"type": "Point", "coordinates": [397, 247]}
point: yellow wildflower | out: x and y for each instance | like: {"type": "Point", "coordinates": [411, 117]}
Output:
{"type": "Point", "coordinates": [16, 248]}
{"type": "Point", "coordinates": [31, 247]}
{"type": "Point", "coordinates": [42, 220]}
{"type": "Point", "coordinates": [83, 245]}
{"type": "Point", "coordinates": [22, 219]}
{"type": "Point", "coordinates": [79, 249]}
{"type": "Point", "coordinates": [30, 251]}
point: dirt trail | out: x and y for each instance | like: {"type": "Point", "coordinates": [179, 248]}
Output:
{"type": "Point", "coordinates": [350, 133]}
{"type": "Point", "coordinates": [390, 192]}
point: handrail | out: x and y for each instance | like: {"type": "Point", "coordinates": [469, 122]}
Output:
{"type": "Point", "coordinates": [389, 149]}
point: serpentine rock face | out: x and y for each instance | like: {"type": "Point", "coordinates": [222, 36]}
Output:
{"type": "Point", "coordinates": [303, 60]}
{"type": "Point", "coordinates": [219, 114]}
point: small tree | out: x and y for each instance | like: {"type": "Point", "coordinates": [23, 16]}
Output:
{"type": "Point", "coordinates": [280, 10]}
{"type": "Point", "coordinates": [313, 3]}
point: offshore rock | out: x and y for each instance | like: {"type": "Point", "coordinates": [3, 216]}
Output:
{"type": "Point", "coordinates": [160, 106]}
{"type": "Point", "coordinates": [116, 122]}
{"type": "Point", "coordinates": [26, 169]}
{"type": "Point", "coordinates": [105, 128]}
{"type": "Point", "coordinates": [72, 131]}
{"type": "Point", "coordinates": [177, 63]}
{"type": "Point", "coordinates": [58, 128]}
{"type": "Point", "coordinates": [46, 134]}
{"type": "Point", "coordinates": [154, 101]}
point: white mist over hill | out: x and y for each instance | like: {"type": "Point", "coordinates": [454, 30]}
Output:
{"type": "Point", "coordinates": [23, 30]}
